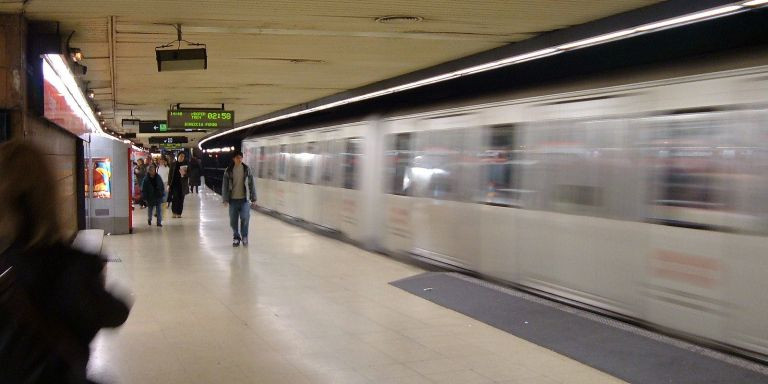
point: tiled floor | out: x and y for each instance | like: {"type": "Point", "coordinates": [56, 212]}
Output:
{"type": "Point", "coordinates": [293, 307]}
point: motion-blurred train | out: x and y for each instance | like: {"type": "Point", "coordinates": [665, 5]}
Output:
{"type": "Point", "coordinates": [648, 200]}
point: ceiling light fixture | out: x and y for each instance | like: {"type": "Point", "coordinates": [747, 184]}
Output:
{"type": "Point", "coordinates": [76, 54]}
{"type": "Point", "coordinates": [613, 36]}
{"type": "Point", "coordinates": [181, 59]}
{"type": "Point", "coordinates": [399, 19]}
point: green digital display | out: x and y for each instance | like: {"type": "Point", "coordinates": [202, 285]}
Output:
{"type": "Point", "coordinates": [201, 119]}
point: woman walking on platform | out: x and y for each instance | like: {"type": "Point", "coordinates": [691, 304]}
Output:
{"type": "Point", "coordinates": [178, 185]}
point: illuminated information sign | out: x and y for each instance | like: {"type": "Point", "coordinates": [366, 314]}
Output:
{"type": "Point", "coordinates": [153, 126]}
{"type": "Point", "coordinates": [168, 140]}
{"type": "Point", "coordinates": [210, 119]}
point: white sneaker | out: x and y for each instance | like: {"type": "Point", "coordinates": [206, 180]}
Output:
{"type": "Point", "coordinates": [245, 241]}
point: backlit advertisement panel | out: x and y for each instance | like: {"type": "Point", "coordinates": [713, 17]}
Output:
{"type": "Point", "coordinates": [61, 106]}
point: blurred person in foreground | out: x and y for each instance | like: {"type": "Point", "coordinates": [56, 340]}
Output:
{"type": "Point", "coordinates": [237, 187]}
{"type": "Point", "coordinates": [52, 297]}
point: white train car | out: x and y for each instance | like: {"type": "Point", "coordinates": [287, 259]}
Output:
{"type": "Point", "coordinates": [645, 200]}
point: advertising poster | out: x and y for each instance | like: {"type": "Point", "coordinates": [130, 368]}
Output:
{"type": "Point", "coordinates": [102, 178]}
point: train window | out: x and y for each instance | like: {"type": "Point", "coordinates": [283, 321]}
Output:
{"type": "Point", "coordinates": [398, 160]}
{"type": "Point", "coordinates": [295, 166]}
{"type": "Point", "coordinates": [437, 169]}
{"type": "Point", "coordinates": [577, 167]}
{"type": "Point", "coordinates": [350, 160]}
{"type": "Point", "coordinates": [310, 158]}
{"type": "Point", "coordinates": [690, 157]}
{"type": "Point", "coordinates": [282, 162]}
{"type": "Point", "coordinates": [501, 165]}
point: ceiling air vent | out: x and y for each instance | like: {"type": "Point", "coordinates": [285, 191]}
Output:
{"type": "Point", "coordinates": [399, 19]}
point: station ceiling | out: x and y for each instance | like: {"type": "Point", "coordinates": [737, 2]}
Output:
{"type": "Point", "coordinates": [264, 56]}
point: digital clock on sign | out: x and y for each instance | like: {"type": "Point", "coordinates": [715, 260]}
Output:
{"type": "Point", "coordinates": [201, 119]}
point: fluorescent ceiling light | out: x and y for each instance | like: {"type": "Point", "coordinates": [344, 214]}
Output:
{"type": "Point", "coordinates": [59, 74]}
{"type": "Point", "coordinates": [698, 16]}
{"type": "Point", "coordinates": [57, 71]}
{"type": "Point", "coordinates": [597, 39]}
{"type": "Point", "coordinates": [688, 18]}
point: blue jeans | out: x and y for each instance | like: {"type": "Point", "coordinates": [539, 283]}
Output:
{"type": "Point", "coordinates": [239, 209]}
{"type": "Point", "coordinates": [151, 207]}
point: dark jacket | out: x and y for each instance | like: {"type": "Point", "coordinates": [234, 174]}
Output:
{"type": "Point", "coordinates": [228, 184]}
{"type": "Point", "coordinates": [176, 181]}
{"type": "Point", "coordinates": [65, 288]}
{"type": "Point", "coordinates": [153, 189]}
{"type": "Point", "coordinates": [194, 173]}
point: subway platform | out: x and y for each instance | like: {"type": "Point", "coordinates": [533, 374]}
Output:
{"type": "Point", "coordinates": [293, 307]}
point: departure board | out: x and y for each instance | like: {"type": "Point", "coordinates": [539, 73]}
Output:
{"type": "Point", "coordinates": [206, 119]}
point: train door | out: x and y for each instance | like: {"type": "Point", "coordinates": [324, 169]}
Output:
{"type": "Point", "coordinates": [447, 224]}
{"type": "Point", "coordinates": [259, 172]}
{"type": "Point", "coordinates": [294, 178]}
{"type": "Point", "coordinates": [500, 194]}
{"type": "Point", "coordinates": [270, 175]}
{"type": "Point", "coordinates": [398, 156]}
{"type": "Point", "coordinates": [351, 159]}
{"type": "Point", "coordinates": [747, 326]}
{"type": "Point", "coordinates": [691, 193]}
{"type": "Point", "coordinates": [282, 156]}
{"type": "Point", "coordinates": [328, 186]}
{"type": "Point", "coordinates": [310, 197]}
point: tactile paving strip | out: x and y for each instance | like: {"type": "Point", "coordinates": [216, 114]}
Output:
{"type": "Point", "coordinates": [630, 353]}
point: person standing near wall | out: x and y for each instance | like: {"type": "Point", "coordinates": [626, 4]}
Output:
{"type": "Point", "coordinates": [237, 187]}
{"type": "Point", "coordinates": [178, 185]}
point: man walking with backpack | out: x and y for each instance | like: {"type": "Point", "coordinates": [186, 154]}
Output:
{"type": "Point", "coordinates": [236, 190]}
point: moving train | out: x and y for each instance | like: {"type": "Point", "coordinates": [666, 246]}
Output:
{"type": "Point", "coordinates": [646, 200]}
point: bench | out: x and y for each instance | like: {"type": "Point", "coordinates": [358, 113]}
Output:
{"type": "Point", "coordinates": [89, 241]}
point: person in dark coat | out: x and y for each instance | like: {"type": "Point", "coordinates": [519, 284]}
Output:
{"type": "Point", "coordinates": [194, 175]}
{"type": "Point", "coordinates": [153, 191]}
{"type": "Point", "coordinates": [178, 185]}
{"type": "Point", "coordinates": [52, 297]}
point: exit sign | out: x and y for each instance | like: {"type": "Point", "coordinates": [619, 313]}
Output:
{"type": "Point", "coordinates": [201, 119]}
{"type": "Point", "coordinates": [153, 127]}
